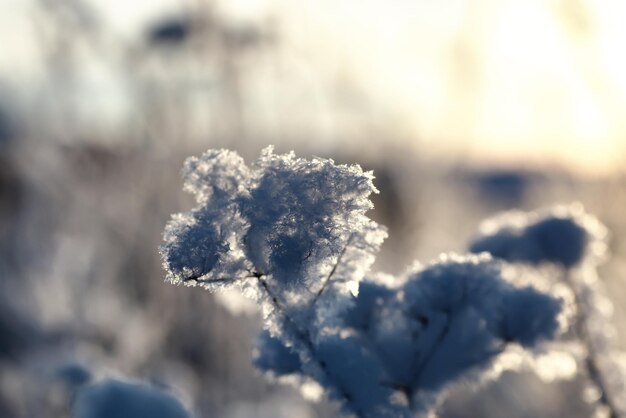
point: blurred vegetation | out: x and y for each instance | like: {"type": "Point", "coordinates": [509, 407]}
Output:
{"type": "Point", "coordinates": [90, 155]}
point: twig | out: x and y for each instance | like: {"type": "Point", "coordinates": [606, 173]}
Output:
{"type": "Point", "coordinates": [332, 273]}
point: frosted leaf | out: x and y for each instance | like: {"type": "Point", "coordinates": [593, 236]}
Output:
{"type": "Point", "coordinates": [373, 294]}
{"type": "Point", "coordinates": [464, 302]}
{"type": "Point", "coordinates": [217, 174]}
{"type": "Point", "coordinates": [447, 320]}
{"type": "Point", "coordinates": [396, 347]}
{"type": "Point", "coordinates": [336, 297]}
{"type": "Point", "coordinates": [356, 373]}
{"type": "Point", "coordinates": [563, 235]}
{"type": "Point", "coordinates": [271, 355]}
{"type": "Point", "coordinates": [302, 215]}
{"type": "Point", "coordinates": [286, 219]}
{"type": "Point", "coordinates": [200, 247]}
{"type": "Point", "coordinates": [204, 246]}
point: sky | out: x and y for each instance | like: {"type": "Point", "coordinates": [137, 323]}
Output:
{"type": "Point", "coordinates": [525, 81]}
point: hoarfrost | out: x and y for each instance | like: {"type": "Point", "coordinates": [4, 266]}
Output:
{"type": "Point", "coordinates": [293, 235]}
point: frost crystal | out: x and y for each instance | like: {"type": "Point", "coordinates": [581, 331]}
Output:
{"type": "Point", "coordinates": [292, 234]}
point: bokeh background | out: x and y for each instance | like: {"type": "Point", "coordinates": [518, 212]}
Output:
{"type": "Point", "coordinates": [461, 107]}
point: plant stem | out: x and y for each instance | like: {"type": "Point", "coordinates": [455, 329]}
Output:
{"type": "Point", "coordinates": [581, 329]}
{"type": "Point", "coordinates": [305, 338]}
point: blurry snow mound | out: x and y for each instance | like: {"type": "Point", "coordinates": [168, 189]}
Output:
{"type": "Point", "coordinates": [74, 375]}
{"type": "Point", "coordinates": [563, 235]}
{"type": "Point", "coordinates": [113, 398]}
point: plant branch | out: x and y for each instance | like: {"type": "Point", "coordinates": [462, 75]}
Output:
{"type": "Point", "coordinates": [305, 339]}
{"type": "Point", "coordinates": [332, 272]}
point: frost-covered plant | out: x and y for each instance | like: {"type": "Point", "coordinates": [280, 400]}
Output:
{"type": "Point", "coordinates": [293, 235]}
{"type": "Point", "coordinates": [575, 242]}
{"type": "Point", "coordinates": [562, 235]}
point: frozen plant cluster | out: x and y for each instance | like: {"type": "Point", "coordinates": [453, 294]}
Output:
{"type": "Point", "coordinates": [562, 235]}
{"type": "Point", "coordinates": [571, 243]}
{"type": "Point", "coordinates": [292, 234]}
{"type": "Point", "coordinates": [104, 396]}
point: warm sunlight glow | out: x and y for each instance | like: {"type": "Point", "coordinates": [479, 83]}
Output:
{"type": "Point", "coordinates": [514, 80]}
{"type": "Point", "coordinates": [525, 81]}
